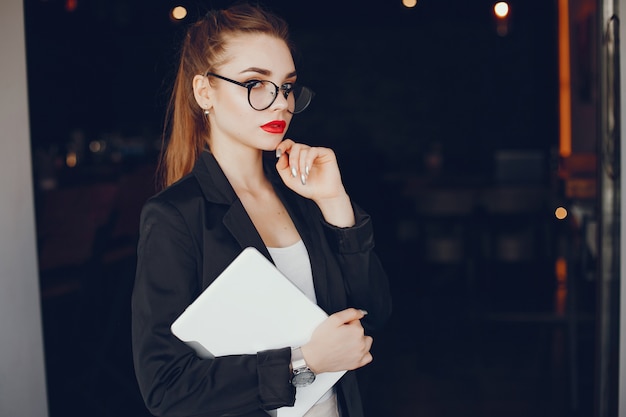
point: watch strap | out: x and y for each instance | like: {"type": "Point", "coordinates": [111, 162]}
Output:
{"type": "Point", "coordinates": [297, 359]}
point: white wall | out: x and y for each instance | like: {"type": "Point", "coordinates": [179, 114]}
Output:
{"type": "Point", "coordinates": [22, 375]}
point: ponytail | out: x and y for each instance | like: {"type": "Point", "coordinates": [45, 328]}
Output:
{"type": "Point", "coordinates": [186, 126]}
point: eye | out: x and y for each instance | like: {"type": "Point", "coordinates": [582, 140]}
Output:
{"type": "Point", "coordinates": [254, 84]}
{"type": "Point", "coordinates": [287, 87]}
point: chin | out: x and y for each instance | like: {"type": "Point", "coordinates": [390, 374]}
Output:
{"type": "Point", "coordinates": [272, 145]}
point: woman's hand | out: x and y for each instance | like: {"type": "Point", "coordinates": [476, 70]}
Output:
{"type": "Point", "coordinates": [313, 173]}
{"type": "Point", "coordinates": [339, 343]}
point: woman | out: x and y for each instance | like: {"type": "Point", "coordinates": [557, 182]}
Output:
{"type": "Point", "coordinates": [233, 100]}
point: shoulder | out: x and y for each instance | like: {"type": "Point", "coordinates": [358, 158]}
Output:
{"type": "Point", "coordinates": [181, 200]}
{"type": "Point", "coordinates": [181, 191]}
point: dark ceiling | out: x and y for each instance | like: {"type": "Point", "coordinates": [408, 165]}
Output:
{"type": "Point", "coordinates": [107, 65]}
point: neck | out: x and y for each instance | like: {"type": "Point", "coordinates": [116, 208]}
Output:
{"type": "Point", "coordinates": [243, 169]}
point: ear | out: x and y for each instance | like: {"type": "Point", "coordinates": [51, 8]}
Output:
{"type": "Point", "coordinates": [201, 91]}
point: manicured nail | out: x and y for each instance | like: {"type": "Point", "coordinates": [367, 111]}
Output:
{"type": "Point", "coordinates": [306, 170]}
{"type": "Point", "coordinates": [303, 179]}
{"type": "Point", "coordinates": [279, 152]}
{"type": "Point", "coordinates": [294, 173]}
{"type": "Point", "coordinates": [364, 312]}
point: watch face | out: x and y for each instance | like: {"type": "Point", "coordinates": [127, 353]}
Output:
{"type": "Point", "coordinates": [302, 377]}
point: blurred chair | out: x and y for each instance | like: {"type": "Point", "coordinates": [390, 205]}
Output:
{"type": "Point", "coordinates": [520, 288]}
{"type": "Point", "coordinates": [515, 259]}
{"type": "Point", "coordinates": [118, 237]}
{"type": "Point", "coordinates": [88, 238]}
{"type": "Point", "coordinates": [446, 256]}
{"type": "Point", "coordinates": [68, 222]}
{"type": "Point", "coordinates": [445, 218]}
{"type": "Point", "coordinates": [109, 295]}
{"type": "Point", "coordinates": [515, 277]}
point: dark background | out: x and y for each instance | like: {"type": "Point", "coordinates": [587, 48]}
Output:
{"type": "Point", "coordinates": [446, 132]}
{"type": "Point", "coordinates": [387, 78]}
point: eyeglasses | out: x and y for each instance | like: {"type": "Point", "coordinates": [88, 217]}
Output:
{"type": "Point", "coordinates": [263, 93]}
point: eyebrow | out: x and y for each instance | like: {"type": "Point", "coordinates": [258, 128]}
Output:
{"type": "Point", "coordinates": [266, 72]}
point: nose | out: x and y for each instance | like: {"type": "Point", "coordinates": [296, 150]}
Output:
{"type": "Point", "coordinates": [282, 101]}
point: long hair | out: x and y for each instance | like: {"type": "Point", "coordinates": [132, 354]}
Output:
{"type": "Point", "coordinates": [202, 50]}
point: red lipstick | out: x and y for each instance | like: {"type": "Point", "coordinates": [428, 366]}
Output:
{"type": "Point", "coordinates": [275, 126]}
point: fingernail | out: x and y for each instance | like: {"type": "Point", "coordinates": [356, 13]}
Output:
{"type": "Point", "coordinates": [279, 152]}
{"type": "Point", "coordinates": [364, 312]}
{"type": "Point", "coordinates": [303, 179]}
{"type": "Point", "coordinates": [306, 170]}
{"type": "Point", "coordinates": [294, 173]}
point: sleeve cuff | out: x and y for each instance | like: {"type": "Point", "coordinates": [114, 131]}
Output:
{"type": "Point", "coordinates": [355, 239]}
{"type": "Point", "coordinates": [275, 390]}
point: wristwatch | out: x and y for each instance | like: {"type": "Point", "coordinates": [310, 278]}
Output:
{"type": "Point", "coordinates": [302, 375]}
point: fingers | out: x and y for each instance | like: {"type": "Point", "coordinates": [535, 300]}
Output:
{"type": "Point", "coordinates": [362, 344]}
{"type": "Point", "coordinates": [339, 343]}
{"type": "Point", "coordinates": [348, 315]}
{"type": "Point", "coordinates": [367, 355]}
{"type": "Point", "coordinates": [297, 158]}
{"type": "Point", "coordinates": [298, 163]}
{"type": "Point", "coordinates": [362, 352]}
{"type": "Point", "coordinates": [283, 147]}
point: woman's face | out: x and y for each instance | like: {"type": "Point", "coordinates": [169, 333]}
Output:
{"type": "Point", "coordinates": [233, 121]}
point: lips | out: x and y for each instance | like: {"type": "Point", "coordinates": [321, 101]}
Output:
{"type": "Point", "coordinates": [275, 126]}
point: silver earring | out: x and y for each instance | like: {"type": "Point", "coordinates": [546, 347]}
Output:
{"type": "Point", "coordinates": [206, 112]}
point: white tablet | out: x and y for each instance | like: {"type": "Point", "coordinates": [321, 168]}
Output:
{"type": "Point", "coordinates": [251, 306]}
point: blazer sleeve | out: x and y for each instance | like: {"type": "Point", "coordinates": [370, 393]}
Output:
{"type": "Point", "coordinates": [172, 379]}
{"type": "Point", "coordinates": [364, 279]}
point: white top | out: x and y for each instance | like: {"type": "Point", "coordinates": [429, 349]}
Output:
{"type": "Point", "coordinates": [293, 262]}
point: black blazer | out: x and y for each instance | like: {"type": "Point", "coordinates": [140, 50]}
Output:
{"type": "Point", "coordinates": [189, 233]}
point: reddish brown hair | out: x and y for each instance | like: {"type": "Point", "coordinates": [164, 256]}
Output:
{"type": "Point", "coordinates": [202, 51]}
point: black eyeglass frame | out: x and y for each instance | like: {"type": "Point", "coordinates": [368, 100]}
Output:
{"type": "Point", "coordinates": [250, 84]}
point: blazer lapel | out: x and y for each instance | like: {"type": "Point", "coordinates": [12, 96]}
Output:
{"type": "Point", "coordinates": [217, 190]}
{"type": "Point", "coordinates": [240, 225]}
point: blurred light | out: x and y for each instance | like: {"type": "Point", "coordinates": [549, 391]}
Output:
{"type": "Point", "coordinates": [178, 13]}
{"type": "Point", "coordinates": [501, 13]}
{"type": "Point", "coordinates": [409, 3]}
{"type": "Point", "coordinates": [71, 5]}
{"type": "Point", "coordinates": [560, 270]}
{"type": "Point", "coordinates": [560, 213]}
{"type": "Point", "coordinates": [71, 159]}
{"type": "Point", "coordinates": [565, 80]}
{"type": "Point", "coordinates": [96, 146]}
{"type": "Point", "coordinates": [501, 9]}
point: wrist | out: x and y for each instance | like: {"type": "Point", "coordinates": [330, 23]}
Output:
{"type": "Point", "coordinates": [301, 374]}
{"type": "Point", "coordinates": [337, 211]}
